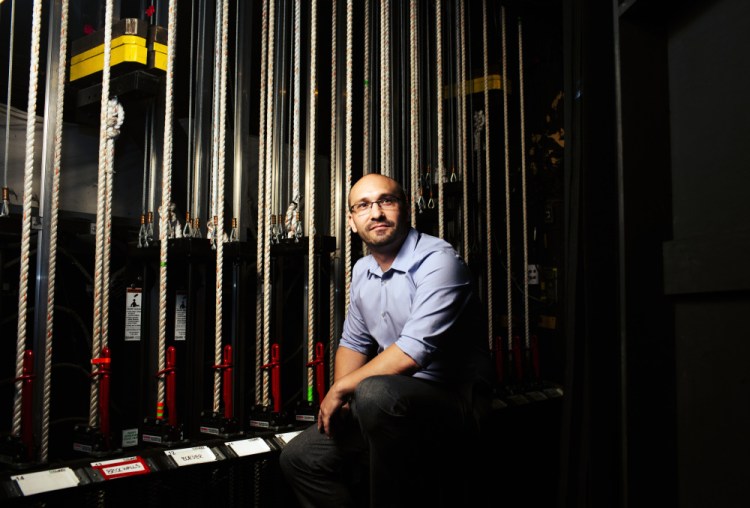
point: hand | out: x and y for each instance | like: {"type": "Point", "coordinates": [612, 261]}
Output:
{"type": "Point", "coordinates": [332, 408]}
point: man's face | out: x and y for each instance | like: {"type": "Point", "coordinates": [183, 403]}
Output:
{"type": "Point", "coordinates": [382, 230]}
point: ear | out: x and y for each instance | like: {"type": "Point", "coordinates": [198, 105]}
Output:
{"type": "Point", "coordinates": [352, 225]}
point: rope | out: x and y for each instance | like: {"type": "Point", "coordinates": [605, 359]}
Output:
{"type": "Point", "coordinates": [267, 195]}
{"type": "Point", "coordinates": [5, 207]}
{"type": "Point", "coordinates": [464, 129]}
{"type": "Point", "coordinates": [366, 157]}
{"type": "Point", "coordinates": [53, 219]}
{"type": "Point", "coordinates": [439, 80]}
{"type": "Point", "coordinates": [296, 112]}
{"type": "Point", "coordinates": [28, 181]}
{"type": "Point", "coordinates": [385, 82]}
{"type": "Point", "coordinates": [507, 182]}
{"type": "Point", "coordinates": [413, 63]}
{"type": "Point", "coordinates": [488, 176]}
{"type": "Point", "coordinates": [166, 196]}
{"type": "Point", "coordinates": [259, 293]}
{"type": "Point", "coordinates": [311, 201]}
{"type": "Point", "coordinates": [523, 193]}
{"type": "Point", "coordinates": [211, 224]}
{"type": "Point", "coordinates": [333, 185]}
{"type": "Point", "coordinates": [219, 225]}
{"type": "Point", "coordinates": [348, 136]}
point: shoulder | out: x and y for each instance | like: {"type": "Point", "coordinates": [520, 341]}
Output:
{"type": "Point", "coordinates": [435, 256]}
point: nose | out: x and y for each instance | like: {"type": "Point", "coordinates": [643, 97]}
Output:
{"type": "Point", "coordinates": [378, 212]}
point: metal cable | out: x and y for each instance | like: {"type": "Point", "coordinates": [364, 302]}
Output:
{"type": "Point", "coordinates": [4, 206]}
{"type": "Point", "coordinates": [53, 220]}
{"type": "Point", "coordinates": [523, 190]}
{"type": "Point", "coordinates": [488, 176]}
{"type": "Point", "coordinates": [166, 196]}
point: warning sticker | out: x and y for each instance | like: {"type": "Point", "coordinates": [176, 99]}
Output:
{"type": "Point", "coordinates": [134, 304]}
{"type": "Point", "coordinates": [180, 316]}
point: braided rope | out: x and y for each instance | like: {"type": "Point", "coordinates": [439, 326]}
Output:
{"type": "Point", "coordinates": [385, 87]}
{"type": "Point", "coordinates": [507, 181]}
{"type": "Point", "coordinates": [219, 226]}
{"type": "Point", "coordinates": [348, 136]}
{"type": "Point", "coordinates": [296, 72]}
{"type": "Point", "coordinates": [267, 195]}
{"type": "Point", "coordinates": [211, 223]}
{"type": "Point", "coordinates": [440, 129]}
{"type": "Point", "coordinates": [333, 186]}
{"type": "Point", "coordinates": [366, 156]}
{"type": "Point", "coordinates": [414, 74]}
{"type": "Point", "coordinates": [260, 236]}
{"type": "Point", "coordinates": [311, 233]}
{"type": "Point", "coordinates": [100, 214]}
{"type": "Point", "coordinates": [53, 220]}
{"type": "Point", "coordinates": [523, 187]}
{"type": "Point", "coordinates": [4, 208]}
{"type": "Point", "coordinates": [488, 175]}
{"type": "Point", "coordinates": [166, 197]}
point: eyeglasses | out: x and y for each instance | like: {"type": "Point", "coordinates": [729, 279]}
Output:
{"type": "Point", "coordinates": [364, 207]}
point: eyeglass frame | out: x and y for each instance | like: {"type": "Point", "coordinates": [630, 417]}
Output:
{"type": "Point", "coordinates": [368, 205]}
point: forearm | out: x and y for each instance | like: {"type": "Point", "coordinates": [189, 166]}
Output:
{"type": "Point", "coordinates": [354, 367]}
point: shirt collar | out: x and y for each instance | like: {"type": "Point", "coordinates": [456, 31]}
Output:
{"type": "Point", "coordinates": [403, 258]}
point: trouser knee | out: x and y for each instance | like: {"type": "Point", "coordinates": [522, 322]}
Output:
{"type": "Point", "coordinates": [374, 401]}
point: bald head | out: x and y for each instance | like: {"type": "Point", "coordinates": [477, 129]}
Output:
{"type": "Point", "coordinates": [376, 181]}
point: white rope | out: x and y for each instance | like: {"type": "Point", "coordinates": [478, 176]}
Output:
{"type": "Point", "coordinates": [211, 229]}
{"type": "Point", "coordinates": [296, 72]}
{"type": "Point", "coordinates": [464, 130]}
{"type": "Point", "coordinates": [348, 136]}
{"type": "Point", "coordinates": [333, 186]}
{"type": "Point", "coordinates": [507, 183]}
{"type": "Point", "coordinates": [53, 220]}
{"type": "Point", "coordinates": [219, 226]}
{"type": "Point", "coordinates": [523, 190]}
{"type": "Point", "coordinates": [5, 205]}
{"type": "Point", "coordinates": [385, 88]}
{"type": "Point", "coordinates": [260, 236]}
{"type": "Point", "coordinates": [439, 96]}
{"type": "Point", "coordinates": [28, 181]}
{"type": "Point", "coordinates": [488, 176]}
{"type": "Point", "coordinates": [166, 196]}
{"type": "Point", "coordinates": [366, 156]}
{"type": "Point", "coordinates": [267, 195]}
{"type": "Point", "coordinates": [311, 233]}
{"type": "Point", "coordinates": [414, 109]}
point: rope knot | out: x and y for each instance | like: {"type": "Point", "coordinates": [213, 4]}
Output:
{"type": "Point", "coordinates": [115, 118]}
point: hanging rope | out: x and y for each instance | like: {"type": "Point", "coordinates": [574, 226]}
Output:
{"type": "Point", "coordinates": [211, 230]}
{"type": "Point", "coordinates": [53, 219]}
{"type": "Point", "coordinates": [507, 182]}
{"type": "Point", "coordinates": [5, 205]}
{"type": "Point", "coordinates": [311, 148]}
{"type": "Point", "coordinates": [348, 136]}
{"type": "Point", "coordinates": [385, 90]}
{"type": "Point", "coordinates": [260, 236]}
{"type": "Point", "coordinates": [366, 157]}
{"type": "Point", "coordinates": [296, 72]}
{"type": "Point", "coordinates": [414, 67]}
{"type": "Point", "coordinates": [464, 130]}
{"type": "Point", "coordinates": [267, 195]}
{"type": "Point", "coordinates": [166, 197]}
{"type": "Point", "coordinates": [219, 210]}
{"type": "Point", "coordinates": [439, 95]}
{"type": "Point", "coordinates": [523, 190]}
{"type": "Point", "coordinates": [333, 185]}
{"type": "Point", "coordinates": [488, 175]}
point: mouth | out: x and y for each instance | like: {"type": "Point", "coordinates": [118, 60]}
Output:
{"type": "Point", "coordinates": [379, 226]}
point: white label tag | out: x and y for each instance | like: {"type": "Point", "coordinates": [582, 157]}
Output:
{"type": "Point", "coordinates": [189, 456]}
{"type": "Point", "coordinates": [251, 446]}
{"type": "Point", "coordinates": [129, 437]}
{"type": "Point", "coordinates": [180, 316]}
{"type": "Point", "coordinates": [45, 481]}
{"type": "Point", "coordinates": [288, 436]}
{"type": "Point", "coordinates": [533, 275]}
{"type": "Point", "coordinates": [134, 304]}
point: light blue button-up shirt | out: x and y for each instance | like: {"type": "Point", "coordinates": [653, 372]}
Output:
{"type": "Point", "coordinates": [424, 304]}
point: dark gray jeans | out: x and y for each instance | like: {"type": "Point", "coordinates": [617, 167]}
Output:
{"type": "Point", "coordinates": [407, 441]}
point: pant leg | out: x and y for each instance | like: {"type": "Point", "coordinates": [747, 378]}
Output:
{"type": "Point", "coordinates": [413, 430]}
{"type": "Point", "coordinates": [318, 468]}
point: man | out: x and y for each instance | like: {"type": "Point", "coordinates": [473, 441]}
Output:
{"type": "Point", "coordinates": [407, 369]}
